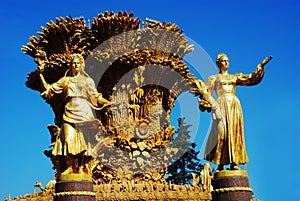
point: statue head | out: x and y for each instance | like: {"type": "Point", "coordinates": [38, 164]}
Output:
{"type": "Point", "coordinates": [222, 61]}
{"type": "Point", "coordinates": [77, 63]}
{"type": "Point", "coordinates": [206, 166]}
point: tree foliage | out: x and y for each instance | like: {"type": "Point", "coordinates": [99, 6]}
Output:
{"type": "Point", "coordinates": [186, 161]}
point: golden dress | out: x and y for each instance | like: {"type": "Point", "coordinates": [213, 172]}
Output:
{"type": "Point", "coordinates": [77, 91]}
{"type": "Point", "coordinates": [226, 142]}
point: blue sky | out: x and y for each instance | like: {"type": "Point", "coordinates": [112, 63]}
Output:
{"type": "Point", "coordinates": [247, 31]}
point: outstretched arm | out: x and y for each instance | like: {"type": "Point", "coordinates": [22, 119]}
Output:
{"type": "Point", "coordinates": [255, 77]}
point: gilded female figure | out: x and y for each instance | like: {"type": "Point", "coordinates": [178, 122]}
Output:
{"type": "Point", "coordinates": [80, 95]}
{"type": "Point", "coordinates": [226, 143]}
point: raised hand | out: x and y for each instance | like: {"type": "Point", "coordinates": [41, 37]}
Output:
{"type": "Point", "coordinates": [266, 60]}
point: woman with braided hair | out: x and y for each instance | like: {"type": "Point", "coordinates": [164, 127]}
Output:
{"type": "Point", "coordinates": [80, 95]}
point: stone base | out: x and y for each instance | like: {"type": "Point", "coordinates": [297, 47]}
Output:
{"type": "Point", "coordinates": [74, 190]}
{"type": "Point", "coordinates": [231, 185]}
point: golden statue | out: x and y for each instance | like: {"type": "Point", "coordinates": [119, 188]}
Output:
{"type": "Point", "coordinates": [79, 96]}
{"type": "Point", "coordinates": [226, 143]}
{"type": "Point", "coordinates": [206, 176]}
{"type": "Point", "coordinates": [135, 131]}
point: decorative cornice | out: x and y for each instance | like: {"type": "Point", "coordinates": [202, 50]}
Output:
{"type": "Point", "coordinates": [231, 189]}
{"type": "Point", "coordinates": [74, 193]}
{"type": "Point", "coordinates": [231, 173]}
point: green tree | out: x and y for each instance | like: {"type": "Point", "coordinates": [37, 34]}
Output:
{"type": "Point", "coordinates": [186, 160]}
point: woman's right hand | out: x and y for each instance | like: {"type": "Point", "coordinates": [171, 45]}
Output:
{"type": "Point", "coordinates": [41, 67]}
{"type": "Point", "coordinates": [216, 113]}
